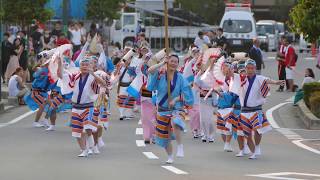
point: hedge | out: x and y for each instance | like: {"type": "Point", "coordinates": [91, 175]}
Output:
{"type": "Point", "coordinates": [314, 101]}
{"type": "Point", "coordinates": [309, 89]}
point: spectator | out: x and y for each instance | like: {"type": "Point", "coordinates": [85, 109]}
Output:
{"type": "Point", "coordinates": [221, 40]}
{"type": "Point", "coordinates": [62, 40]}
{"type": "Point", "coordinates": [16, 86]}
{"type": "Point", "coordinates": [23, 59]}
{"type": "Point", "coordinates": [93, 30]}
{"type": "Point", "coordinates": [57, 30]}
{"type": "Point", "coordinates": [290, 62]}
{"type": "Point", "coordinates": [202, 40]}
{"type": "Point", "coordinates": [142, 41]}
{"type": "Point", "coordinates": [47, 40]}
{"type": "Point", "coordinates": [256, 55]}
{"type": "Point", "coordinates": [15, 54]}
{"type": "Point", "coordinates": [83, 32]}
{"type": "Point", "coordinates": [213, 38]}
{"type": "Point", "coordinates": [75, 37]}
{"type": "Point", "coordinates": [281, 63]}
{"type": "Point", "coordinates": [6, 48]}
{"type": "Point", "coordinates": [36, 37]}
{"type": "Point", "coordinates": [308, 78]}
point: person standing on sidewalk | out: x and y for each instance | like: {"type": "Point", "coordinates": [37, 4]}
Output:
{"type": "Point", "coordinates": [281, 63]}
{"type": "Point", "coordinates": [256, 54]}
{"type": "Point", "coordinates": [290, 62]}
{"type": "Point", "coordinates": [6, 48]}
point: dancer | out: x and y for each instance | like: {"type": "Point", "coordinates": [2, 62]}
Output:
{"type": "Point", "coordinates": [253, 90]}
{"type": "Point", "coordinates": [84, 85]}
{"type": "Point", "coordinates": [170, 116]}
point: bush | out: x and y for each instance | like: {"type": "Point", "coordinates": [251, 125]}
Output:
{"type": "Point", "coordinates": [308, 89]}
{"type": "Point", "coordinates": [314, 101]}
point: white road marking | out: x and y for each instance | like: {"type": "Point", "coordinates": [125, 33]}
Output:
{"type": "Point", "coordinates": [310, 58]}
{"type": "Point", "coordinates": [8, 107]}
{"type": "Point", "coordinates": [289, 133]}
{"type": "Point", "coordinates": [270, 118]}
{"type": "Point", "coordinates": [270, 57]}
{"type": "Point", "coordinates": [300, 144]}
{"type": "Point", "coordinates": [139, 131]}
{"type": "Point", "coordinates": [282, 175]}
{"type": "Point", "coordinates": [174, 170]}
{"type": "Point", "coordinates": [140, 143]}
{"type": "Point", "coordinates": [17, 119]}
{"type": "Point", "coordinates": [150, 155]}
{"type": "Point", "coordinates": [140, 122]}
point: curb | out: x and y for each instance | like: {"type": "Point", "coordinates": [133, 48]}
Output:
{"type": "Point", "coordinates": [309, 119]}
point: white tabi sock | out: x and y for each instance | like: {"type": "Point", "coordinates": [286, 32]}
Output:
{"type": "Point", "coordinates": [257, 150]}
{"type": "Point", "coordinates": [90, 142]}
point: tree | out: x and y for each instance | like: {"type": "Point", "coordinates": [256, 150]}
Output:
{"type": "Point", "coordinates": [101, 9]}
{"type": "Point", "coordinates": [281, 10]}
{"type": "Point", "coordinates": [305, 19]}
{"type": "Point", "coordinates": [24, 11]}
{"type": "Point", "coordinates": [210, 11]}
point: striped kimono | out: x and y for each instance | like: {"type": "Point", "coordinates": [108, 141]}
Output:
{"type": "Point", "coordinates": [85, 89]}
{"type": "Point", "coordinates": [39, 93]}
{"type": "Point", "coordinates": [252, 94]}
{"type": "Point", "coordinates": [166, 117]}
{"type": "Point", "coordinates": [124, 101]}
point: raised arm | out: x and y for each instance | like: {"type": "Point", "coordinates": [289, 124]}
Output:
{"type": "Point", "coordinates": [155, 67]}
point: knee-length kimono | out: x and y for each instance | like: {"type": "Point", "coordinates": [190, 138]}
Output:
{"type": "Point", "coordinates": [180, 91]}
{"type": "Point", "coordinates": [252, 94]}
{"type": "Point", "coordinates": [85, 89]}
{"type": "Point", "coordinates": [39, 93]}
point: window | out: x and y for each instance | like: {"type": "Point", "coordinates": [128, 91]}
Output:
{"type": "Point", "coordinates": [237, 26]}
{"type": "Point", "coordinates": [265, 29]}
{"type": "Point", "coordinates": [128, 20]}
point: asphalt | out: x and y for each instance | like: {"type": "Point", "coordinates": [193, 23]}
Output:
{"type": "Point", "coordinates": [31, 153]}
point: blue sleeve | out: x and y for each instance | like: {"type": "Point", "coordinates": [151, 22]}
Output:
{"type": "Point", "coordinates": [109, 65]}
{"type": "Point", "coordinates": [187, 92]}
{"type": "Point", "coordinates": [38, 73]}
{"type": "Point", "coordinates": [132, 71]}
{"type": "Point", "coordinates": [153, 81]}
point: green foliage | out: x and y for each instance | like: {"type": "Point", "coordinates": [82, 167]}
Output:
{"type": "Point", "coordinates": [281, 10]}
{"type": "Point", "coordinates": [309, 89]}
{"type": "Point", "coordinates": [101, 9]}
{"type": "Point", "coordinates": [24, 11]}
{"type": "Point", "coordinates": [315, 103]}
{"type": "Point", "coordinates": [305, 19]}
{"type": "Point", "coordinates": [211, 11]}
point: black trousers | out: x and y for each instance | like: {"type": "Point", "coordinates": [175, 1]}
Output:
{"type": "Point", "coordinates": [4, 64]}
{"type": "Point", "coordinates": [282, 74]}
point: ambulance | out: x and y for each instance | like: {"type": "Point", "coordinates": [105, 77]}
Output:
{"type": "Point", "coordinates": [239, 27]}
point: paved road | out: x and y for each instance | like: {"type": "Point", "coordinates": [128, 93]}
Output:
{"type": "Point", "coordinates": [29, 153]}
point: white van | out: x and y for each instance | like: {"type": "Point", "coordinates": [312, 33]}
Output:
{"type": "Point", "coordinates": [239, 27]}
{"type": "Point", "coordinates": [268, 34]}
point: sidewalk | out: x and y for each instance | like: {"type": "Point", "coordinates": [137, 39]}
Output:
{"type": "Point", "coordinates": [7, 102]}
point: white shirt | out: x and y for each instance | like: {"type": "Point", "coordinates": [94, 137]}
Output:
{"type": "Point", "coordinates": [13, 86]}
{"type": "Point", "coordinates": [255, 97]}
{"type": "Point", "coordinates": [307, 80]}
{"type": "Point", "coordinates": [200, 42]}
{"type": "Point", "coordinates": [76, 37]}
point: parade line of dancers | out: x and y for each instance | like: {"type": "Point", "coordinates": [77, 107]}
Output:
{"type": "Point", "coordinates": [211, 92]}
